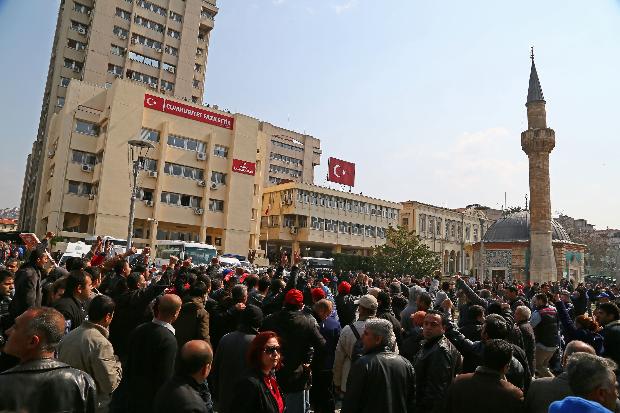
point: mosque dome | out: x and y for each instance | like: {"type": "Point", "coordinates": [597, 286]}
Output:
{"type": "Point", "coordinates": [516, 227]}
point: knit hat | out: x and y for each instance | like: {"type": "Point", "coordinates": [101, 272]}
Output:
{"type": "Point", "coordinates": [368, 301]}
{"type": "Point", "coordinates": [318, 294]}
{"type": "Point", "coordinates": [572, 404]}
{"type": "Point", "coordinates": [294, 297]}
{"type": "Point", "coordinates": [344, 288]}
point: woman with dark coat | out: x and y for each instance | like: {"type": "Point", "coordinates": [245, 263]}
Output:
{"type": "Point", "coordinates": [258, 391]}
{"type": "Point", "coordinates": [583, 328]}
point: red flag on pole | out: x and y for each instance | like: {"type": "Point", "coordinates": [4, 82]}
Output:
{"type": "Point", "coordinates": [341, 172]}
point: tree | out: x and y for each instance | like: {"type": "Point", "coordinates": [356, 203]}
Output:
{"type": "Point", "coordinates": [404, 254]}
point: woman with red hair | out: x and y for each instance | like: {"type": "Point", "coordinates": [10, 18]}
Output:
{"type": "Point", "coordinates": [258, 391]}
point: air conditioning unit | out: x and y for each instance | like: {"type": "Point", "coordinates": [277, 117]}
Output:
{"type": "Point", "coordinates": [199, 211]}
{"type": "Point", "coordinates": [153, 174]}
{"type": "Point", "coordinates": [153, 85]}
{"type": "Point", "coordinates": [162, 89]}
{"type": "Point", "coordinates": [87, 168]}
{"type": "Point", "coordinates": [202, 183]}
{"type": "Point", "coordinates": [134, 40]}
{"type": "Point", "coordinates": [214, 186]}
{"type": "Point", "coordinates": [293, 230]}
{"type": "Point", "coordinates": [201, 156]}
{"type": "Point", "coordinates": [159, 50]}
{"type": "Point", "coordinates": [51, 154]}
{"type": "Point", "coordinates": [91, 196]}
{"type": "Point", "coordinates": [170, 69]}
{"type": "Point", "coordinates": [149, 203]}
{"type": "Point", "coordinates": [122, 36]}
{"type": "Point", "coordinates": [81, 30]}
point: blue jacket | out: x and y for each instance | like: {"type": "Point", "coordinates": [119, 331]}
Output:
{"type": "Point", "coordinates": [572, 404]}
{"type": "Point", "coordinates": [330, 330]}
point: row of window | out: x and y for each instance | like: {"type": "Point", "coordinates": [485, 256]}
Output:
{"type": "Point", "coordinates": [149, 24]}
{"type": "Point", "coordinates": [277, 181]}
{"type": "Point", "coordinates": [283, 170]}
{"type": "Point", "coordinates": [152, 7]}
{"type": "Point", "coordinates": [173, 198]}
{"type": "Point", "coordinates": [286, 146]}
{"type": "Point", "coordinates": [86, 128]}
{"type": "Point", "coordinates": [76, 45]}
{"type": "Point", "coordinates": [84, 158]}
{"type": "Point", "coordinates": [136, 57]}
{"type": "Point", "coordinates": [73, 65]}
{"type": "Point", "coordinates": [188, 144]}
{"type": "Point", "coordinates": [184, 171]}
{"type": "Point", "coordinates": [286, 159]}
{"type": "Point", "coordinates": [81, 8]}
{"type": "Point", "coordinates": [145, 41]}
{"type": "Point", "coordinates": [431, 226]}
{"type": "Point", "coordinates": [142, 77]}
{"type": "Point", "coordinates": [81, 188]}
{"type": "Point", "coordinates": [79, 27]}
{"type": "Point", "coordinates": [343, 227]}
{"type": "Point", "coordinates": [313, 198]}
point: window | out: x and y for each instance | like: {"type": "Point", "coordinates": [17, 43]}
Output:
{"type": "Point", "coordinates": [216, 205]}
{"type": "Point", "coordinates": [169, 86]}
{"type": "Point", "coordinates": [170, 68]}
{"type": "Point", "coordinates": [184, 171]}
{"type": "Point", "coordinates": [149, 135]}
{"type": "Point", "coordinates": [144, 59]}
{"type": "Point", "coordinates": [172, 50]}
{"type": "Point", "coordinates": [406, 222]}
{"type": "Point", "coordinates": [123, 14]}
{"type": "Point", "coordinates": [194, 99]}
{"type": "Point", "coordinates": [221, 151]}
{"type": "Point", "coordinates": [199, 51]}
{"type": "Point", "coordinates": [80, 8]}
{"type": "Point", "coordinates": [286, 146]}
{"type": "Point", "coordinates": [186, 143]}
{"type": "Point", "coordinates": [176, 17]}
{"type": "Point", "coordinates": [145, 41]}
{"type": "Point", "coordinates": [79, 27]}
{"type": "Point", "coordinates": [174, 34]}
{"type": "Point", "coordinates": [285, 159]}
{"type": "Point", "coordinates": [197, 67]}
{"type": "Point", "coordinates": [60, 101]}
{"type": "Point", "coordinates": [218, 178]}
{"type": "Point", "coordinates": [115, 70]}
{"type": "Point", "coordinates": [172, 198]}
{"type": "Point", "coordinates": [64, 81]}
{"type": "Point", "coordinates": [75, 45]}
{"type": "Point", "coordinates": [73, 65]}
{"type": "Point", "coordinates": [196, 83]}
{"type": "Point", "coordinates": [118, 50]}
{"type": "Point", "coordinates": [467, 232]}
{"type": "Point", "coordinates": [86, 128]}
{"type": "Point", "coordinates": [83, 158]}
{"type": "Point", "coordinates": [145, 194]}
{"type": "Point", "coordinates": [120, 32]}
{"type": "Point", "coordinates": [80, 188]}
{"type": "Point", "coordinates": [148, 24]}
{"type": "Point", "coordinates": [147, 164]}
{"type": "Point", "coordinates": [141, 77]}
{"type": "Point", "coordinates": [152, 7]}
{"type": "Point", "coordinates": [287, 171]}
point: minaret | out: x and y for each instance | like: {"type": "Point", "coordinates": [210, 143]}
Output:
{"type": "Point", "coordinates": [537, 142]}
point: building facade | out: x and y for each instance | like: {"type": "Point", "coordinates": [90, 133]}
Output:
{"type": "Point", "coordinates": [310, 220]}
{"type": "Point", "coordinates": [202, 181]}
{"type": "Point", "coordinates": [447, 232]}
{"type": "Point", "coordinates": [160, 44]}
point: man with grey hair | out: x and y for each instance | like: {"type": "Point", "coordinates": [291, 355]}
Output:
{"type": "Point", "coordinates": [522, 320]}
{"type": "Point", "coordinates": [40, 383]}
{"type": "Point", "coordinates": [594, 385]}
{"type": "Point", "coordinates": [390, 376]}
{"type": "Point", "coordinates": [545, 390]}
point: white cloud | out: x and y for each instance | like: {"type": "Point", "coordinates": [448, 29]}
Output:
{"type": "Point", "coordinates": [344, 7]}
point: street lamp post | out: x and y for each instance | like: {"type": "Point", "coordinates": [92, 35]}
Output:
{"type": "Point", "coordinates": [137, 148]}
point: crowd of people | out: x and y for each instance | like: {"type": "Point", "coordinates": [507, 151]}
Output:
{"type": "Point", "coordinates": [109, 333]}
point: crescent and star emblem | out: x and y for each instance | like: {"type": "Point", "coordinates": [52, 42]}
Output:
{"type": "Point", "coordinates": [336, 167]}
{"type": "Point", "coordinates": [150, 101]}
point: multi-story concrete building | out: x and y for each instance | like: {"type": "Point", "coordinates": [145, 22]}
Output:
{"type": "Point", "coordinates": [449, 233]}
{"type": "Point", "coordinates": [315, 221]}
{"type": "Point", "coordinates": [201, 182]}
{"type": "Point", "coordinates": [162, 44]}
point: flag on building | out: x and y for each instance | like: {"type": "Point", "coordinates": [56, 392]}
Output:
{"type": "Point", "coordinates": [341, 172]}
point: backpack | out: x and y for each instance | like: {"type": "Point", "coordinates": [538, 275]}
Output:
{"type": "Point", "coordinates": [358, 347]}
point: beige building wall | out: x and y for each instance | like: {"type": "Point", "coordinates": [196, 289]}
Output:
{"type": "Point", "coordinates": [449, 233]}
{"type": "Point", "coordinates": [313, 220]}
{"type": "Point", "coordinates": [98, 41]}
{"type": "Point", "coordinates": [90, 194]}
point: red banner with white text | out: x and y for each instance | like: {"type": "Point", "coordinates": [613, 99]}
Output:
{"type": "Point", "coordinates": [244, 167]}
{"type": "Point", "coordinates": [186, 111]}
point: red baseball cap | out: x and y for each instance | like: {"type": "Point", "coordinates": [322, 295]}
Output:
{"type": "Point", "coordinates": [344, 288]}
{"type": "Point", "coordinates": [318, 294]}
{"type": "Point", "coordinates": [294, 297]}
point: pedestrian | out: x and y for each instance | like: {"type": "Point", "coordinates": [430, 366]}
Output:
{"type": "Point", "coordinates": [258, 391]}
{"type": "Point", "coordinates": [594, 385]}
{"type": "Point", "coordinates": [6, 293]}
{"type": "Point", "coordinates": [486, 389]}
{"type": "Point", "coordinates": [40, 383]}
{"type": "Point", "coordinates": [522, 321]}
{"type": "Point", "coordinates": [608, 316]}
{"type": "Point", "coordinates": [87, 348]}
{"type": "Point", "coordinates": [28, 283]}
{"type": "Point", "coordinates": [546, 329]}
{"type": "Point", "coordinates": [322, 390]}
{"type": "Point", "coordinates": [187, 391]}
{"type": "Point", "coordinates": [380, 380]}
{"type": "Point", "coordinates": [230, 359]}
{"type": "Point", "coordinates": [436, 364]}
{"type": "Point", "coordinates": [152, 351]}
{"type": "Point", "coordinates": [193, 320]}
{"type": "Point", "coordinates": [345, 304]}
{"type": "Point", "coordinates": [545, 390]}
{"type": "Point", "coordinates": [77, 291]}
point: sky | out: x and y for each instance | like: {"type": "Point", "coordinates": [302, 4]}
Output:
{"type": "Point", "coordinates": [426, 97]}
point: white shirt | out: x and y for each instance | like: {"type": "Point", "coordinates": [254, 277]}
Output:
{"type": "Point", "coordinates": [164, 324]}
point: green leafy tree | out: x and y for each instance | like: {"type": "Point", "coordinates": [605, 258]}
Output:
{"type": "Point", "coordinates": [404, 254]}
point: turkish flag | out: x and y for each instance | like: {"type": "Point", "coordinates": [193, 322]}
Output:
{"type": "Point", "coordinates": [154, 102]}
{"type": "Point", "coordinates": [341, 172]}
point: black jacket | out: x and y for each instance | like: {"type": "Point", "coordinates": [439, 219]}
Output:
{"type": "Point", "coordinates": [346, 308]}
{"type": "Point", "coordinates": [436, 364]}
{"type": "Point", "coordinates": [46, 386]}
{"type": "Point", "coordinates": [611, 334]}
{"type": "Point", "coordinates": [28, 290]}
{"type": "Point", "coordinates": [72, 310]}
{"type": "Point", "coordinates": [150, 363]}
{"type": "Point", "coordinates": [301, 341]}
{"type": "Point", "coordinates": [529, 344]}
{"type": "Point", "coordinates": [183, 395]}
{"type": "Point", "coordinates": [380, 381]}
{"type": "Point", "coordinates": [251, 395]}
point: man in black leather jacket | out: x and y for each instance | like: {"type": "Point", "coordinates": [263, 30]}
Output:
{"type": "Point", "coordinates": [436, 364]}
{"type": "Point", "coordinates": [39, 383]}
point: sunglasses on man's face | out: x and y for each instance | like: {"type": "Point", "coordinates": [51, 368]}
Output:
{"type": "Point", "coordinates": [272, 350]}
